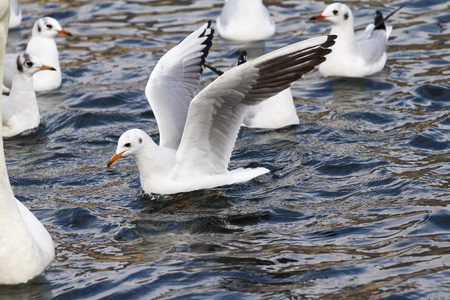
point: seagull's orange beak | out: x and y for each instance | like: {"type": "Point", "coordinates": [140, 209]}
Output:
{"type": "Point", "coordinates": [63, 31]}
{"type": "Point", "coordinates": [317, 17]}
{"type": "Point", "coordinates": [114, 158]}
{"type": "Point", "coordinates": [45, 67]}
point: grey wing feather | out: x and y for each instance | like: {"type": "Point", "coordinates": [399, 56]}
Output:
{"type": "Point", "coordinates": [216, 113]}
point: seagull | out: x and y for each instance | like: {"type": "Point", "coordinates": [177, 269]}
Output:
{"type": "Point", "coordinates": [245, 20]}
{"type": "Point", "coordinates": [26, 246]}
{"type": "Point", "coordinates": [20, 110]}
{"type": "Point", "coordinates": [276, 112]}
{"type": "Point", "coordinates": [354, 56]}
{"type": "Point", "coordinates": [15, 17]}
{"type": "Point", "coordinates": [42, 45]}
{"type": "Point", "coordinates": [195, 150]}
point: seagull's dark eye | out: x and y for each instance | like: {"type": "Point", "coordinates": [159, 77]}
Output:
{"type": "Point", "coordinates": [49, 26]}
{"type": "Point", "coordinates": [28, 63]}
{"type": "Point", "coordinates": [140, 140]}
{"type": "Point", "coordinates": [128, 145]}
{"type": "Point", "coordinates": [335, 12]}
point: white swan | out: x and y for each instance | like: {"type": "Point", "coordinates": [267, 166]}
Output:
{"type": "Point", "coordinates": [245, 20]}
{"type": "Point", "coordinates": [20, 111]}
{"type": "Point", "coordinates": [42, 45]}
{"type": "Point", "coordinates": [195, 150]}
{"type": "Point", "coordinates": [354, 56]}
{"type": "Point", "coordinates": [26, 247]}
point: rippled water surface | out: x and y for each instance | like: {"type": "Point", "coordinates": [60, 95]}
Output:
{"type": "Point", "coordinates": [356, 204]}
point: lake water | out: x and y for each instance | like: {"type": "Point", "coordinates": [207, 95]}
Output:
{"type": "Point", "coordinates": [356, 205]}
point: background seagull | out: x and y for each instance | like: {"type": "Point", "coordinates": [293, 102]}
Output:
{"type": "Point", "coordinates": [20, 111]}
{"type": "Point", "coordinates": [245, 20]}
{"type": "Point", "coordinates": [354, 56]}
{"type": "Point", "coordinates": [42, 45]}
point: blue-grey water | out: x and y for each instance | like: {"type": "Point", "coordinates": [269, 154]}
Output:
{"type": "Point", "coordinates": [356, 205]}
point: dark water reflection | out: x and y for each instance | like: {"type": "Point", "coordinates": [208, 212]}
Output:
{"type": "Point", "coordinates": [355, 206]}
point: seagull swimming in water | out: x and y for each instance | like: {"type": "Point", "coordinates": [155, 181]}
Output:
{"type": "Point", "coordinates": [198, 132]}
{"type": "Point", "coordinates": [42, 45]}
{"type": "Point", "coordinates": [20, 111]}
{"type": "Point", "coordinates": [26, 246]}
{"type": "Point", "coordinates": [245, 20]}
{"type": "Point", "coordinates": [354, 56]}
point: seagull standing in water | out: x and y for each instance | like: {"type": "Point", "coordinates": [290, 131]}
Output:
{"type": "Point", "coordinates": [198, 133]}
{"type": "Point", "coordinates": [354, 56]}
{"type": "Point", "coordinates": [245, 20]}
{"type": "Point", "coordinates": [26, 246]}
{"type": "Point", "coordinates": [42, 45]}
{"type": "Point", "coordinates": [20, 111]}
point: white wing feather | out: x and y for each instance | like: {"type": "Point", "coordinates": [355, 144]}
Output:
{"type": "Point", "coordinates": [174, 82]}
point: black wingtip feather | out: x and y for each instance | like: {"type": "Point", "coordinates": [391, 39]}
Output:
{"type": "Point", "coordinates": [209, 33]}
{"type": "Point", "coordinates": [331, 40]}
{"type": "Point", "coordinates": [242, 58]}
{"type": "Point", "coordinates": [278, 73]}
{"type": "Point", "coordinates": [379, 21]}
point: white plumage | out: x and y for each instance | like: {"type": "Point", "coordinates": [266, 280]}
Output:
{"type": "Point", "coordinates": [15, 18]}
{"type": "Point", "coordinates": [26, 246]}
{"type": "Point", "coordinates": [42, 45]}
{"type": "Point", "coordinates": [276, 112]}
{"type": "Point", "coordinates": [198, 136]}
{"type": "Point", "coordinates": [20, 111]}
{"type": "Point", "coordinates": [245, 20]}
{"type": "Point", "coordinates": [353, 56]}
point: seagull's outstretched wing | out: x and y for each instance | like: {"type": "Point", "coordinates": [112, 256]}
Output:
{"type": "Point", "coordinates": [216, 113]}
{"type": "Point", "coordinates": [174, 82]}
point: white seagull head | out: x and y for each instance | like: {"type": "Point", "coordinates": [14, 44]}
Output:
{"type": "Point", "coordinates": [337, 14]}
{"type": "Point", "coordinates": [48, 27]}
{"type": "Point", "coordinates": [130, 143]}
{"type": "Point", "coordinates": [30, 64]}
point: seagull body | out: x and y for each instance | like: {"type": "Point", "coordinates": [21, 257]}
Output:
{"type": "Point", "coordinates": [42, 45]}
{"type": "Point", "coordinates": [245, 20]}
{"type": "Point", "coordinates": [20, 111]}
{"type": "Point", "coordinates": [26, 246]}
{"type": "Point", "coordinates": [276, 112]}
{"type": "Point", "coordinates": [353, 56]}
{"type": "Point", "coordinates": [213, 117]}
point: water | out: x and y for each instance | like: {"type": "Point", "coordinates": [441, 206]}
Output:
{"type": "Point", "coordinates": [356, 204]}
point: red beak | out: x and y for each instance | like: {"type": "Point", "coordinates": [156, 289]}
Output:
{"type": "Point", "coordinates": [63, 31]}
{"type": "Point", "coordinates": [45, 67]}
{"type": "Point", "coordinates": [114, 158]}
{"type": "Point", "coordinates": [317, 17]}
